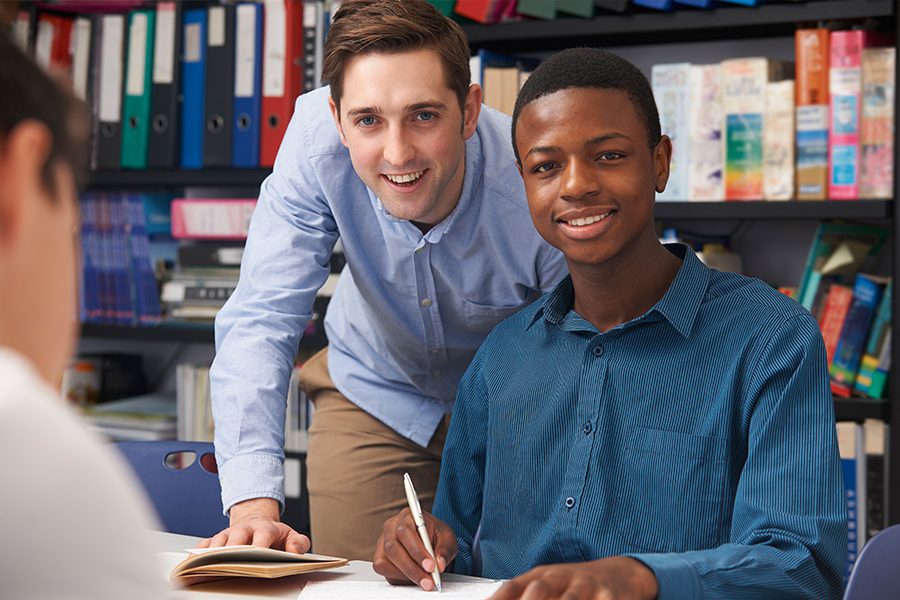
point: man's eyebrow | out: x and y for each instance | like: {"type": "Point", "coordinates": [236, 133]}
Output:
{"type": "Point", "coordinates": [364, 110]}
{"type": "Point", "coordinates": [434, 104]}
{"type": "Point", "coordinates": [591, 142]}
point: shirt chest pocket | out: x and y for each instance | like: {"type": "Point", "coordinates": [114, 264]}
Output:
{"type": "Point", "coordinates": [671, 495]}
{"type": "Point", "coordinates": [482, 319]}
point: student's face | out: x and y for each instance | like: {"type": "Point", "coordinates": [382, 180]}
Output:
{"type": "Point", "coordinates": [589, 172]}
{"type": "Point", "coordinates": [405, 132]}
{"type": "Point", "coordinates": [39, 258]}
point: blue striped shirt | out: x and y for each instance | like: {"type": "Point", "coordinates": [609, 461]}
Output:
{"type": "Point", "coordinates": [408, 314]}
{"type": "Point", "coordinates": [698, 438]}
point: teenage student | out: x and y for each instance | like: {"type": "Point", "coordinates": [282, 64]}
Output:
{"type": "Point", "coordinates": [400, 161]}
{"type": "Point", "coordinates": [651, 428]}
{"type": "Point", "coordinates": [74, 524]}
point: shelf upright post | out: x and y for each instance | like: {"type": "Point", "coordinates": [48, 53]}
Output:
{"type": "Point", "coordinates": [893, 450]}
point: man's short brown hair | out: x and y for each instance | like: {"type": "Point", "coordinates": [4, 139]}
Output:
{"type": "Point", "coordinates": [362, 26]}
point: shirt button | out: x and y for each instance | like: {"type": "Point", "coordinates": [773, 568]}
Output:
{"type": "Point", "coordinates": [426, 302]}
{"type": "Point", "coordinates": [570, 502]}
{"type": "Point", "coordinates": [587, 428]}
{"type": "Point", "coordinates": [598, 351]}
{"type": "Point", "coordinates": [419, 250]}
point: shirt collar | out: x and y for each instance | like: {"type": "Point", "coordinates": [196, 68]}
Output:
{"type": "Point", "coordinates": [679, 305]}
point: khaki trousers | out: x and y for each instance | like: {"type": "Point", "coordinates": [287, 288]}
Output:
{"type": "Point", "coordinates": [355, 465]}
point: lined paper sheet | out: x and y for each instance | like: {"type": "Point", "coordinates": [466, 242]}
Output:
{"type": "Point", "coordinates": [382, 590]}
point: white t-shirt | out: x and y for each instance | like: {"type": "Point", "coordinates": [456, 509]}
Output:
{"type": "Point", "coordinates": [73, 521]}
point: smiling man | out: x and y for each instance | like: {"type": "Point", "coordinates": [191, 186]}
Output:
{"type": "Point", "coordinates": [651, 428]}
{"type": "Point", "coordinates": [400, 161]}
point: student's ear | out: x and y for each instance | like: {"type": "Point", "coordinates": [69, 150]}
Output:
{"type": "Point", "coordinates": [23, 154]}
{"type": "Point", "coordinates": [662, 158]}
{"type": "Point", "coordinates": [472, 108]}
{"type": "Point", "coordinates": [336, 115]}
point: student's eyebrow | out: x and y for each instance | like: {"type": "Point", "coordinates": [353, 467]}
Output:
{"type": "Point", "coordinates": [604, 138]}
{"type": "Point", "coordinates": [591, 142]}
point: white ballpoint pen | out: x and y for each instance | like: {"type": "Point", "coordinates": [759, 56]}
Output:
{"type": "Point", "coordinates": [416, 509]}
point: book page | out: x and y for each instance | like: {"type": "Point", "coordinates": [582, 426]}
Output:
{"type": "Point", "coordinates": [382, 590]}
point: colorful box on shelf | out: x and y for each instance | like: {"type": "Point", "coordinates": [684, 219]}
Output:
{"type": "Point", "coordinates": [211, 218]}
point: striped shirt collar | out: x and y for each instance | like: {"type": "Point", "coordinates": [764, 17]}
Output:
{"type": "Point", "coordinates": [679, 305]}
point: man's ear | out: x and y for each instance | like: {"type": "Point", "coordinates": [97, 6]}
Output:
{"type": "Point", "coordinates": [662, 159]}
{"type": "Point", "coordinates": [336, 115]}
{"type": "Point", "coordinates": [471, 110]}
{"type": "Point", "coordinates": [23, 154]}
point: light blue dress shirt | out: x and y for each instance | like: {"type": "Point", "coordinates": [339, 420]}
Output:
{"type": "Point", "coordinates": [698, 438]}
{"type": "Point", "coordinates": [410, 309]}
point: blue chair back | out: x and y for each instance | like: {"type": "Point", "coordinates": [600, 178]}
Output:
{"type": "Point", "coordinates": [876, 573]}
{"type": "Point", "coordinates": [188, 500]}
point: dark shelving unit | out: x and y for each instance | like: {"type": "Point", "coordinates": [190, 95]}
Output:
{"type": "Point", "coordinates": [185, 333]}
{"type": "Point", "coordinates": [860, 409]}
{"type": "Point", "coordinates": [729, 22]}
{"type": "Point", "coordinates": [176, 178]}
{"type": "Point", "coordinates": [775, 211]}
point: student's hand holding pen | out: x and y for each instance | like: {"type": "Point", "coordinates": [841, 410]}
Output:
{"type": "Point", "coordinates": [401, 557]}
{"type": "Point", "coordinates": [257, 522]}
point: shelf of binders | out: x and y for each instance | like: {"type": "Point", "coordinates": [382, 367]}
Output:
{"type": "Point", "coordinates": [176, 178]}
{"type": "Point", "coordinates": [727, 22]}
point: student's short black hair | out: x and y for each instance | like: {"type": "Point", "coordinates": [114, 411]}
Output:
{"type": "Point", "coordinates": [590, 68]}
{"type": "Point", "coordinates": [27, 92]}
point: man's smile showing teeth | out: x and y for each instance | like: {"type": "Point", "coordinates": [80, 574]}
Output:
{"type": "Point", "coordinates": [407, 178]}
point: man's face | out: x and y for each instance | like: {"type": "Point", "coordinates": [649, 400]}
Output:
{"type": "Point", "coordinates": [405, 132]}
{"type": "Point", "coordinates": [589, 174]}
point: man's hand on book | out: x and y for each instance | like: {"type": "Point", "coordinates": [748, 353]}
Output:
{"type": "Point", "coordinates": [400, 555]}
{"type": "Point", "coordinates": [257, 522]}
{"type": "Point", "coordinates": [616, 578]}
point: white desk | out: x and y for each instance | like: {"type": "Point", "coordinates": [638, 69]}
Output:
{"type": "Point", "coordinates": [286, 587]}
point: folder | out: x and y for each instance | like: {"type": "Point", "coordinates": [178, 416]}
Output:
{"type": "Point", "coordinates": [541, 9]}
{"type": "Point", "coordinates": [109, 60]}
{"type": "Point", "coordinates": [81, 58]}
{"type": "Point", "coordinates": [282, 59]}
{"type": "Point", "coordinates": [580, 8]}
{"type": "Point", "coordinates": [313, 40]}
{"type": "Point", "coordinates": [52, 46]}
{"type": "Point", "coordinates": [219, 98]}
{"type": "Point", "coordinates": [193, 86]}
{"type": "Point", "coordinates": [165, 101]}
{"type": "Point", "coordinates": [23, 28]}
{"type": "Point", "coordinates": [136, 101]}
{"type": "Point", "coordinates": [247, 81]}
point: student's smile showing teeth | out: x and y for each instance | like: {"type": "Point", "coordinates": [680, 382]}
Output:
{"type": "Point", "coordinates": [586, 226]}
{"type": "Point", "coordinates": [582, 221]}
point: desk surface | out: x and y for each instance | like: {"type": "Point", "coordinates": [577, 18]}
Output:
{"type": "Point", "coordinates": [285, 587]}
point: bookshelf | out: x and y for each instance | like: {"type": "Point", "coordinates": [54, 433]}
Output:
{"type": "Point", "coordinates": [734, 24]}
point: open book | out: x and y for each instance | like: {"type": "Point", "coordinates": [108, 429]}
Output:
{"type": "Point", "coordinates": [209, 564]}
